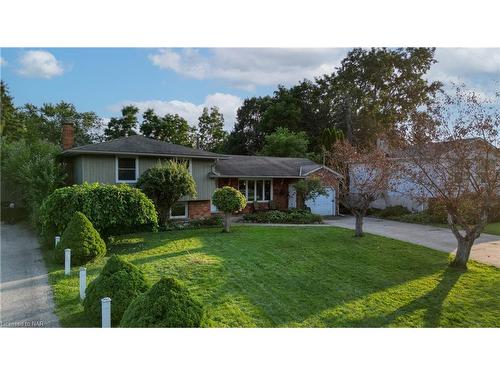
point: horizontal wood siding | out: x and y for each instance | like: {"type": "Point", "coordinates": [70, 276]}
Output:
{"type": "Point", "coordinates": [102, 169]}
{"type": "Point", "coordinates": [78, 172]}
{"type": "Point", "coordinates": [98, 169]}
{"type": "Point", "coordinates": [205, 186]}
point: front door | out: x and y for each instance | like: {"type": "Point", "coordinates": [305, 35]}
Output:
{"type": "Point", "coordinates": [292, 197]}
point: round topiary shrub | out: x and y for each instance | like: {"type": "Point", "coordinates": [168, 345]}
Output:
{"type": "Point", "coordinates": [228, 200]}
{"type": "Point", "coordinates": [167, 304]}
{"type": "Point", "coordinates": [122, 282]}
{"type": "Point", "coordinates": [84, 241]}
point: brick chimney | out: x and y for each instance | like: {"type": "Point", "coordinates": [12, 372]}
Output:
{"type": "Point", "coordinates": [68, 134]}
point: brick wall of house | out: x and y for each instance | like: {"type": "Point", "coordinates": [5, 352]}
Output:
{"type": "Point", "coordinates": [198, 209]}
{"type": "Point", "coordinates": [280, 189]}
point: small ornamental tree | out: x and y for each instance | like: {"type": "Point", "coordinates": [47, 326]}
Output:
{"type": "Point", "coordinates": [168, 304]}
{"type": "Point", "coordinates": [165, 184]}
{"type": "Point", "coordinates": [84, 241]}
{"type": "Point", "coordinates": [310, 188]}
{"type": "Point", "coordinates": [228, 200]}
{"type": "Point", "coordinates": [122, 282]}
{"type": "Point", "coordinates": [367, 174]}
{"type": "Point", "coordinates": [452, 157]}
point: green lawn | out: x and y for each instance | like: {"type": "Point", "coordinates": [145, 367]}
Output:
{"type": "Point", "coordinates": [304, 277]}
{"type": "Point", "coordinates": [493, 228]}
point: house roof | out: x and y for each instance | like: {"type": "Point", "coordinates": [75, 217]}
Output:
{"type": "Point", "coordinates": [140, 145]}
{"type": "Point", "coordinates": [432, 148]}
{"type": "Point", "coordinates": [264, 166]}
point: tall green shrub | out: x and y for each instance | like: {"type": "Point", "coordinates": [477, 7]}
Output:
{"type": "Point", "coordinates": [165, 184]}
{"type": "Point", "coordinates": [112, 209]}
{"type": "Point", "coordinates": [84, 241]}
{"type": "Point", "coordinates": [33, 169]}
{"type": "Point", "coordinates": [167, 304]}
{"type": "Point", "coordinates": [122, 282]}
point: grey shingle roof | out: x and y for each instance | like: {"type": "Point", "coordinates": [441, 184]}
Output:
{"type": "Point", "coordinates": [263, 166]}
{"type": "Point", "coordinates": [139, 145]}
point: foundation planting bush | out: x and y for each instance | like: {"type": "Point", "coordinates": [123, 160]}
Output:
{"type": "Point", "coordinates": [112, 209]}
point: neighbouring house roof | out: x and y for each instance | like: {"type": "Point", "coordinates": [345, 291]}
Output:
{"type": "Point", "coordinates": [265, 166]}
{"type": "Point", "coordinates": [432, 148]}
{"type": "Point", "coordinates": [140, 145]}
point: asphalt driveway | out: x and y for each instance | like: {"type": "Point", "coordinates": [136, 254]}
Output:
{"type": "Point", "coordinates": [486, 249]}
{"type": "Point", "coordinates": [25, 294]}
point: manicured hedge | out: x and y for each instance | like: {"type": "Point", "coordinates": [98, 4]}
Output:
{"type": "Point", "coordinates": [84, 241]}
{"type": "Point", "coordinates": [122, 282]}
{"type": "Point", "coordinates": [112, 209]}
{"type": "Point", "coordinates": [283, 217]}
{"type": "Point", "coordinates": [167, 304]}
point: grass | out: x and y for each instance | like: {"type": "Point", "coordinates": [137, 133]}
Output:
{"type": "Point", "coordinates": [493, 228]}
{"type": "Point", "coordinates": [423, 218]}
{"type": "Point", "coordinates": [303, 277]}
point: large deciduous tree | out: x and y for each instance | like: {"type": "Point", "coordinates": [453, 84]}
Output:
{"type": "Point", "coordinates": [33, 123]}
{"type": "Point", "coordinates": [375, 90]}
{"type": "Point", "coordinates": [285, 143]}
{"type": "Point", "coordinates": [366, 175]}
{"type": "Point", "coordinates": [210, 135]}
{"type": "Point", "coordinates": [165, 184]}
{"type": "Point", "coordinates": [124, 126]}
{"type": "Point", "coordinates": [169, 128]}
{"type": "Point", "coordinates": [452, 156]}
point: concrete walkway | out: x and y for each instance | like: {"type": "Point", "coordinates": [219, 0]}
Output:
{"type": "Point", "coordinates": [25, 294]}
{"type": "Point", "coordinates": [486, 249]}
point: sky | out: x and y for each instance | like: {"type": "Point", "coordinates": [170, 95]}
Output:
{"type": "Point", "coordinates": [185, 80]}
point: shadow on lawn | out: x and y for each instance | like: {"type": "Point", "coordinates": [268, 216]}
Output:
{"type": "Point", "coordinates": [431, 303]}
{"type": "Point", "coordinates": [288, 281]}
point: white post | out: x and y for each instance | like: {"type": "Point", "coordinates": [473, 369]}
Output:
{"type": "Point", "coordinates": [106, 312]}
{"type": "Point", "coordinates": [57, 240]}
{"type": "Point", "coordinates": [83, 282]}
{"type": "Point", "coordinates": [67, 261]}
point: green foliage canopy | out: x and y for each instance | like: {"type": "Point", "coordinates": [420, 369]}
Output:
{"type": "Point", "coordinates": [211, 134]}
{"type": "Point", "coordinates": [285, 143]}
{"type": "Point", "coordinates": [169, 128]}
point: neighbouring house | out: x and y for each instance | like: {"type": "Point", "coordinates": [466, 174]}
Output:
{"type": "Point", "coordinates": [406, 192]}
{"type": "Point", "coordinates": [265, 180]}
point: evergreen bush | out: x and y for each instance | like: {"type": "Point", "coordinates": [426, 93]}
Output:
{"type": "Point", "coordinates": [167, 304]}
{"type": "Point", "coordinates": [84, 241]}
{"type": "Point", "coordinates": [122, 282]}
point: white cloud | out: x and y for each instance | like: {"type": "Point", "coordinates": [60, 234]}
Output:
{"type": "Point", "coordinates": [3, 62]}
{"type": "Point", "coordinates": [247, 68]}
{"type": "Point", "coordinates": [228, 105]}
{"type": "Point", "coordinates": [477, 68]}
{"type": "Point", "coordinates": [39, 64]}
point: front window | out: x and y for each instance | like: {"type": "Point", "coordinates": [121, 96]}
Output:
{"type": "Point", "coordinates": [179, 210]}
{"type": "Point", "coordinates": [256, 190]}
{"type": "Point", "coordinates": [127, 170]}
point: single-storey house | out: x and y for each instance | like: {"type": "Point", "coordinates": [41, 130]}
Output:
{"type": "Point", "coordinates": [265, 180]}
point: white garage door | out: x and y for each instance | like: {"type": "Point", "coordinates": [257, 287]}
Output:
{"type": "Point", "coordinates": [324, 204]}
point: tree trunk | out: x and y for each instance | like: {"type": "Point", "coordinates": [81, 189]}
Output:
{"type": "Point", "coordinates": [227, 221]}
{"type": "Point", "coordinates": [359, 226]}
{"type": "Point", "coordinates": [463, 252]}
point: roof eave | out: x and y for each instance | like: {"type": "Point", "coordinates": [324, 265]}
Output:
{"type": "Point", "coordinates": [72, 152]}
